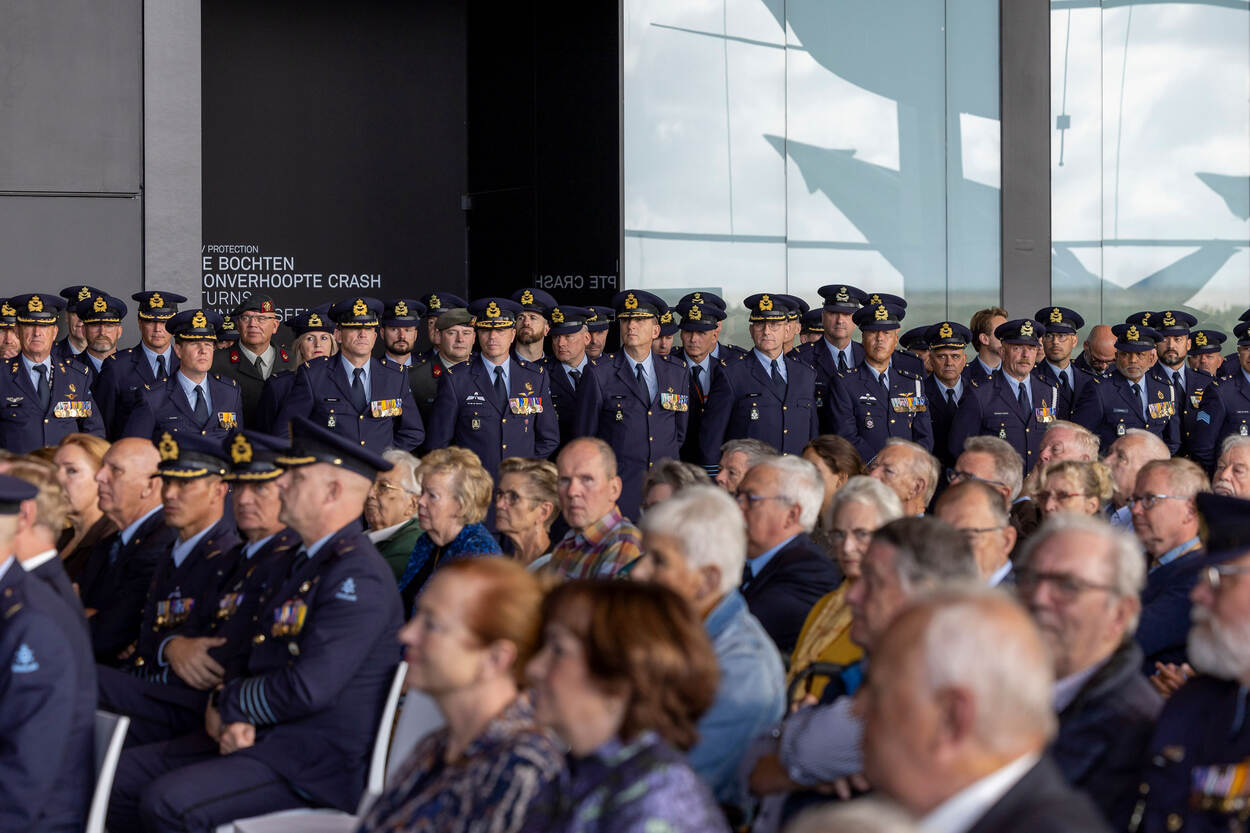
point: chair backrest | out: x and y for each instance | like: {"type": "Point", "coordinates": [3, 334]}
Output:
{"type": "Point", "coordinates": [376, 780]}
{"type": "Point", "coordinates": [417, 718]}
{"type": "Point", "coordinates": [110, 732]}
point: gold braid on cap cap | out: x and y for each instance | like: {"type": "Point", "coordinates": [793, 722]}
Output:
{"type": "Point", "coordinates": [240, 450]}
{"type": "Point", "coordinates": [167, 447]}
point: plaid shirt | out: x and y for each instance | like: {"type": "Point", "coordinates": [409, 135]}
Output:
{"type": "Point", "coordinates": [601, 550]}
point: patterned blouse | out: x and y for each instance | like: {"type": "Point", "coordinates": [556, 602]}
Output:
{"type": "Point", "coordinates": [488, 790]}
{"type": "Point", "coordinates": [641, 787]}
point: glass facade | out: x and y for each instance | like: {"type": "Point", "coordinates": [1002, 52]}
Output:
{"type": "Point", "coordinates": [1150, 156]}
{"type": "Point", "coordinates": [785, 144]}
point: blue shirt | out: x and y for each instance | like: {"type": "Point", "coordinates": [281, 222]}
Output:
{"type": "Point", "coordinates": [989, 371]}
{"type": "Point", "coordinates": [507, 371]}
{"type": "Point", "coordinates": [313, 548]}
{"type": "Point", "coordinates": [129, 532]}
{"type": "Point", "coordinates": [768, 364]}
{"type": "Point", "coordinates": [350, 369]}
{"type": "Point", "coordinates": [1169, 372]}
{"type": "Point", "coordinates": [1066, 373]}
{"type": "Point", "coordinates": [188, 387]}
{"type": "Point", "coordinates": [183, 548]}
{"type": "Point", "coordinates": [34, 377]}
{"type": "Point", "coordinates": [759, 562]}
{"type": "Point", "coordinates": [150, 355]}
{"type": "Point", "coordinates": [648, 372]}
{"type": "Point", "coordinates": [1175, 553]}
{"type": "Point", "coordinates": [845, 353]}
{"type": "Point", "coordinates": [1015, 388]}
{"type": "Point", "coordinates": [569, 368]}
{"type": "Point", "coordinates": [706, 375]}
{"type": "Point", "coordinates": [958, 389]}
{"type": "Point", "coordinates": [251, 549]}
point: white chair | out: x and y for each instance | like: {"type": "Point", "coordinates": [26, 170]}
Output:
{"type": "Point", "coordinates": [110, 732]}
{"type": "Point", "coordinates": [321, 820]}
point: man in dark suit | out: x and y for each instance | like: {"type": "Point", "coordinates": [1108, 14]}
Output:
{"type": "Point", "coordinates": [42, 400]}
{"type": "Point", "coordinates": [1224, 409]}
{"type": "Point", "coordinates": [255, 358]}
{"type": "Point", "coordinates": [635, 400]}
{"type": "Point", "coordinates": [569, 365]}
{"type": "Point", "coordinates": [938, 723]}
{"type": "Point", "coordinates": [786, 572]}
{"type": "Point", "coordinates": [47, 694]}
{"type": "Point", "coordinates": [1080, 580]}
{"type": "Point", "coordinates": [1016, 404]}
{"type": "Point", "coordinates": [128, 373]}
{"type": "Point", "coordinates": [295, 729]}
{"type": "Point", "coordinates": [353, 394]}
{"type": "Point", "coordinates": [836, 353]}
{"type": "Point", "coordinates": [944, 389]}
{"type": "Point", "coordinates": [883, 397]}
{"type": "Point", "coordinates": [1057, 367]}
{"type": "Point", "coordinates": [193, 401]}
{"type": "Point", "coordinates": [1129, 397]}
{"type": "Point", "coordinates": [496, 405]}
{"type": "Point", "coordinates": [764, 394]}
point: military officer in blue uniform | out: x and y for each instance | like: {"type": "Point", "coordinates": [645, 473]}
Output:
{"type": "Point", "coordinates": [1173, 327]}
{"type": "Point", "coordinates": [193, 401]}
{"type": "Point", "coordinates": [280, 384]}
{"type": "Point", "coordinates": [1015, 404]}
{"type": "Point", "coordinates": [437, 303]}
{"type": "Point", "coordinates": [836, 353]}
{"type": "Point", "coordinates": [354, 394]}
{"type": "Point", "coordinates": [43, 400]}
{"type": "Point", "coordinates": [1224, 409]}
{"type": "Point", "coordinates": [662, 345]}
{"type": "Point", "coordinates": [1231, 362]}
{"type": "Point", "coordinates": [1204, 352]}
{"type": "Point", "coordinates": [401, 319]}
{"type": "Point", "coordinates": [532, 325]}
{"type": "Point", "coordinates": [1129, 397]}
{"type": "Point", "coordinates": [295, 728]}
{"type": "Point", "coordinates": [166, 683]}
{"type": "Point", "coordinates": [126, 374]}
{"type": "Point", "coordinates": [47, 694]}
{"type": "Point", "coordinates": [75, 342]}
{"type": "Point", "coordinates": [701, 317]}
{"type": "Point", "coordinates": [598, 325]}
{"type": "Point", "coordinates": [1057, 367]}
{"type": "Point", "coordinates": [569, 365]}
{"type": "Point", "coordinates": [914, 342]}
{"type": "Point", "coordinates": [945, 388]}
{"type": "Point", "coordinates": [101, 316]}
{"type": "Point", "coordinates": [636, 401]}
{"type": "Point", "coordinates": [813, 329]}
{"type": "Point", "coordinates": [765, 394]}
{"type": "Point", "coordinates": [496, 405]}
{"type": "Point", "coordinates": [9, 345]}
{"type": "Point", "coordinates": [884, 396]}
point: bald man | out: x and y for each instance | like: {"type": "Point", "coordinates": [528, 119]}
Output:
{"type": "Point", "coordinates": [1099, 351]}
{"type": "Point", "coordinates": [115, 581]}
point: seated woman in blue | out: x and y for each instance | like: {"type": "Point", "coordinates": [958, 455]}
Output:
{"type": "Point", "coordinates": [476, 625]}
{"type": "Point", "coordinates": [455, 494]}
{"type": "Point", "coordinates": [624, 672]}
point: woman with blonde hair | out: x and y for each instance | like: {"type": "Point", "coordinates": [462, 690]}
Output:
{"type": "Point", "coordinates": [1079, 486]}
{"type": "Point", "coordinates": [314, 336]}
{"type": "Point", "coordinates": [526, 504]}
{"type": "Point", "coordinates": [78, 457]}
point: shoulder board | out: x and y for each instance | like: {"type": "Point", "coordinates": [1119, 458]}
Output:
{"type": "Point", "coordinates": [234, 357]}
{"type": "Point", "coordinates": [226, 380]}
{"type": "Point", "coordinates": [907, 372]}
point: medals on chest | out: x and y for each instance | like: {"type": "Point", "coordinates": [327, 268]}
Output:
{"type": "Point", "coordinates": [288, 618]}
{"type": "Point", "coordinates": [173, 610]}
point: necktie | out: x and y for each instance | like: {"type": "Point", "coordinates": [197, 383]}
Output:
{"type": "Point", "coordinates": [1063, 381]}
{"type": "Point", "coordinates": [1176, 379]}
{"type": "Point", "coordinates": [777, 380]}
{"type": "Point", "coordinates": [1022, 396]}
{"type": "Point", "coordinates": [1136, 391]}
{"type": "Point", "coordinates": [260, 367]}
{"type": "Point", "coordinates": [695, 373]}
{"type": "Point", "coordinates": [746, 573]}
{"type": "Point", "coordinates": [642, 381]}
{"type": "Point", "coordinates": [44, 391]}
{"type": "Point", "coordinates": [115, 550]}
{"type": "Point", "coordinates": [576, 376]}
{"type": "Point", "coordinates": [501, 390]}
{"type": "Point", "coordinates": [883, 382]}
{"type": "Point", "coordinates": [841, 362]}
{"type": "Point", "coordinates": [300, 559]}
{"type": "Point", "coordinates": [950, 398]}
{"type": "Point", "coordinates": [201, 407]}
{"type": "Point", "coordinates": [161, 373]}
{"type": "Point", "coordinates": [359, 400]}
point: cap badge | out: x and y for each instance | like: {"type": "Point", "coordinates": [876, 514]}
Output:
{"type": "Point", "coordinates": [766, 303]}
{"type": "Point", "coordinates": [1200, 340]}
{"type": "Point", "coordinates": [527, 297]}
{"type": "Point", "coordinates": [360, 307]}
{"type": "Point", "coordinates": [875, 299]}
{"type": "Point", "coordinates": [1026, 329]}
{"type": "Point", "coordinates": [631, 301]}
{"type": "Point", "coordinates": [557, 317]}
{"type": "Point", "coordinates": [1056, 317]}
{"type": "Point", "coordinates": [492, 310]}
{"type": "Point", "coordinates": [156, 301]}
{"type": "Point", "coordinates": [843, 296]}
{"type": "Point", "coordinates": [882, 314]}
{"type": "Point", "coordinates": [314, 320]}
{"type": "Point", "coordinates": [1145, 320]}
{"type": "Point", "coordinates": [401, 308]}
{"type": "Point", "coordinates": [100, 304]}
{"type": "Point", "coordinates": [199, 321]}
{"type": "Point", "coordinates": [5, 309]}
{"type": "Point", "coordinates": [946, 330]}
{"type": "Point", "coordinates": [84, 293]}
{"type": "Point", "coordinates": [667, 317]}
{"type": "Point", "coordinates": [266, 306]}
{"type": "Point", "coordinates": [35, 304]}
{"type": "Point", "coordinates": [1168, 319]}
{"type": "Point", "coordinates": [435, 303]}
{"type": "Point", "coordinates": [695, 313]}
{"type": "Point", "coordinates": [697, 298]}
{"type": "Point", "coordinates": [240, 450]}
{"type": "Point", "coordinates": [1132, 334]}
{"type": "Point", "coordinates": [167, 447]}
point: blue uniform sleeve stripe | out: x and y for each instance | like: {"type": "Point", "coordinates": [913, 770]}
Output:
{"type": "Point", "coordinates": [248, 700]}
{"type": "Point", "coordinates": [264, 701]}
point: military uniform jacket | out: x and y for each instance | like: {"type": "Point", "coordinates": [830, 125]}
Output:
{"type": "Point", "coordinates": [119, 388]}
{"type": "Point", "coordinates": [744, 402]}
{"type": "Point", "coordinates": [867, 415]}
{"type": "Point", "coordinates": [564, 399]}
{"type": "Point", "coordinates": [231, 364]}
{"type": "Point", "coordinates": [974, 372]}
{"type": "Point", "coordinates": [52, 573]}
{"type": "Point", "coordinates": [699, 393]}
{"type": "Point", "coordinates": [47, 720]}
{"type": "Point", "coordinates": [941, 417]}
{"type": "Point", "coordinates": [165, 407]}
{"type": "Point", "coordinates": [1195, 774]}
{"type": "Point", "coordinates": [117, 590]}
{"type": "Point", "coordinates": [323, 393]}
{"type": "Point", "coordinates": [268, 411]}
{"type": "Point", "coordinates": [1067, 396]}
{"type": "Point", "coordinates": [63, 351]}
{"type": "Point", "coordinates": [424, 376]}
{"type": "Point", "coordinates": [321, 661]}
{"type": "Point", "coordinates": [613, 407]}
{"type": "Point", "coordinates": [1188, 401]}
{"type": "Point", "coordinates": [466, 413]}
{"type": "Point", "coordinates": [24, 426]}
{"type": "Point", "coordinates": [1108, 408]}
{"type": "Point", "coordinates": [991, 408]}
{"type": "Point", "coordinates": [1223, 410]}
{"type": "Point", "coordinates": [817, 355]}
{"type": "Point", "coordinates": [1163, 629]}
{"type": "Point", "coordinates": [177, 590]}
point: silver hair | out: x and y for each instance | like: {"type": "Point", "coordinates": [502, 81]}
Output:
{"type": "Point", "coordinates": [1085, 440]}
{"type": "Point", "coordinates": [871, 814]}
{"type": "Point", "coordinates": [928, 553]}
{"type": "Point", "coordinates": [1231, 442]}
{"type": "Point", "coordinates": [923, 464]}
{"type": "Point", "coordinates": [870, 492]}
{"type": "Point", "coordinates": [1008, 467]}
{"type": "Point", "coordinates": [409, 463]}
{"type": "Point", "coordinates": [756, 451]}
{"type": "Point", "coordinates": [1185, 477]}
{"type": "Point", "coordinates": [1157, 448]}
{"type": "Point", "coordinates": [1127, 567]}
{"type": "Point", "coordinates": [1007, 669]}
{"type": "Point", "coordinates": [709, 526]}
{"type": "Point", "coordinates": [801, 485]}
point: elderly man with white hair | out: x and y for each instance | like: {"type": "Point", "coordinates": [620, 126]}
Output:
{"type": "Point", "coordinates": [786, 572]}
{"type": "Point", "coordinates": [957, 716]}
{"type": "Point", "coordinates": [910, 470]}
{"type": "Point", "coordinates": [1080, 579]}
{"type": "Point", "coordinates": [737, 457]}
{"type": "Point", "coordinates": [1232, 470]}
{"type": "Point", "coordinates": [1125, 458]}
{"type": "Point", "coordinates": [1063, 440]}
{"type": "Point", "coordinates": [695, 544]}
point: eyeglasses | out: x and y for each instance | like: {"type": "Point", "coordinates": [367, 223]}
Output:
{"type": "Point", "coordinates": [251, 318]}
{"type": "Point", "coordinates": [752, 500]}
{"type": "Point", "coordinates": [955, 476]}
{"type": "Point", "coordinates": [382, 487]}
{"type": "Point", "coordinates": [1042, 497]}
{"type": "Point", "coordinates": [1215, 573]}
{"type": "Point", "coordinates": [1149, 501]}
{"type": "Point", "coordinates": [510, 497]}
{"type": "Point", "coordinates": [1065, 586]}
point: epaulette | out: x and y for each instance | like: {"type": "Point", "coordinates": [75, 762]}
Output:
{"type": "Point", "coordinates": [12, 603]}
{"type": "Point", "coordinates": [282, 352]}
{"type": "Point", "coordinates": [907, 372]}
{"type": "Point", "coordinates": [226, 379]}
{"type": "Point", "coordinates": [234, 356]}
